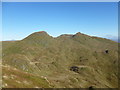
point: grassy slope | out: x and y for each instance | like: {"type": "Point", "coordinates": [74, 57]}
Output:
{"type": "Point", "coordinates": [43, 55]}
{"type": "Point", "coordinates": [14, 78]}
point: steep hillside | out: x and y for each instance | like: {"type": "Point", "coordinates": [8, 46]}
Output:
{"type": "Point", "coordinates": [67, 61]}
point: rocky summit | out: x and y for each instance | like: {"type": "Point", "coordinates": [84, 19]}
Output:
{"type": "Point", "coordinates": [66, 61]}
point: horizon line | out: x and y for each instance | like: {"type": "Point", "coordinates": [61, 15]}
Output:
{"type": "Point", "coordinates": [113, 39]}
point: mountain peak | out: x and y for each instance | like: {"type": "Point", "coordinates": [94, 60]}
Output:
{"type": "Point", "coordinates": [38, 35]}
{"type": "Point", "coordinates": [78, 33]}
{"type": "Point", "coordinates": [41, 32]}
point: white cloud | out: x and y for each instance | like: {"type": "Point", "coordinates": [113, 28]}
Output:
{"type": "Point", "coordinates": [111, 37]}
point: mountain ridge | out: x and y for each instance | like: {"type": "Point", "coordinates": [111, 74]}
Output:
{"type": "Point", "coordinates": [77, 33]}
{"type": "Point", "coordinates": [78, 60]}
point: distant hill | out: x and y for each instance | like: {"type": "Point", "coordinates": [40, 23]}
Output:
{"type": "Point", "coordinates": [116, 40]}
{"type": "Point", "coordinates": [67, 61]}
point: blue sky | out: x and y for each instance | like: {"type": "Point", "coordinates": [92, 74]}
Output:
{"type": "Point", "coordinates": [23, 18]}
